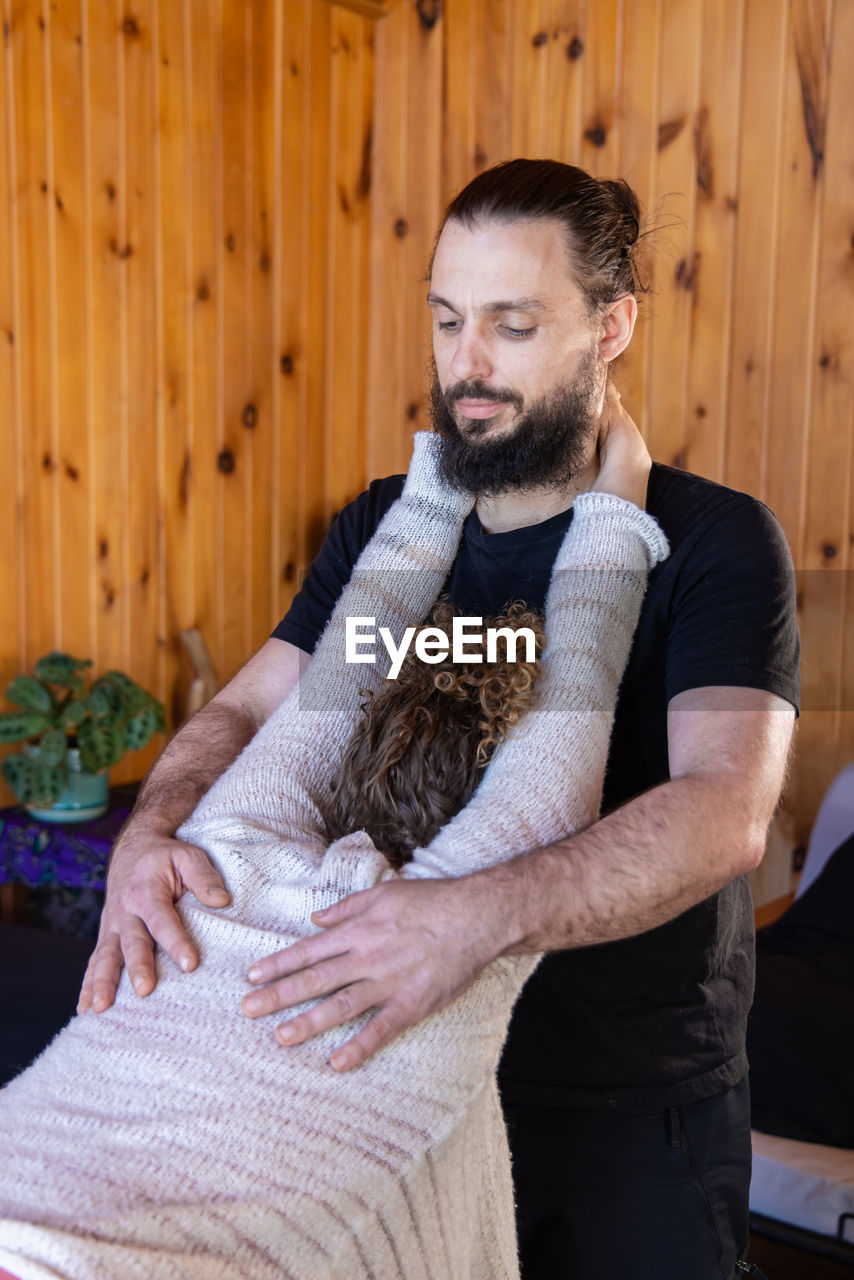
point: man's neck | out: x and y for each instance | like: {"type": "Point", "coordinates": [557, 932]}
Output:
{"type": "Point", "coordinates": [523, 507]}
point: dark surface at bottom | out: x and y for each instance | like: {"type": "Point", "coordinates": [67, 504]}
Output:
{"type": "Point", "coordinates": [781, 1261]}
{"type": "Point", "coordinates": [40, 977]}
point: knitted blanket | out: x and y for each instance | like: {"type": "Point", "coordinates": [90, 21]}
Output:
{"type": "Point", "coordinates": [173, 1137]}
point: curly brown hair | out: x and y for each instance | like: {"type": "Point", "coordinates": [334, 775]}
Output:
{"type": "Point", "coordinates": [417, 755]}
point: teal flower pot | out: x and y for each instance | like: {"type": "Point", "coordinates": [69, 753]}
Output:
{"type": "Point", "coordinates": [86, 796]}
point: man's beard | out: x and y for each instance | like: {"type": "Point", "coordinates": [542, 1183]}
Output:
{"type": "Point", "coordinates": [548, 447]}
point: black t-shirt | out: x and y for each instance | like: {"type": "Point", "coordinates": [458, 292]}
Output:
{"type": "Point", "coordinates": [657, 1019]}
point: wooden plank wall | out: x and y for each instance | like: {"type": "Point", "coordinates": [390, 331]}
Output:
{"type": "Point", "coordinates": [216, 215]}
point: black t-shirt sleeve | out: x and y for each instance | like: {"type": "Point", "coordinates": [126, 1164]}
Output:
{"type": "Point", "coordinates": [733, 618]}
{"type": "Point", "coordinates": [331, 568]}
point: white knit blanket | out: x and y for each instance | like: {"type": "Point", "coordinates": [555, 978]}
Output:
{"type": "Point", "coordinates": [172, 1137]}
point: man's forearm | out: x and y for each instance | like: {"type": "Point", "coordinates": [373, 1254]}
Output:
{"type": "Point", "coordinates": [635, 869]}
{"type": "Point", "coordinates": [192, 761]}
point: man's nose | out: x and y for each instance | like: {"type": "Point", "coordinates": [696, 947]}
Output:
{"type": "Point", "coordinates": [471, 357]}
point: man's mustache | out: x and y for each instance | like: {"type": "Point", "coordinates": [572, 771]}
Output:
{"type": "Point", "coordinates": [480, 391]}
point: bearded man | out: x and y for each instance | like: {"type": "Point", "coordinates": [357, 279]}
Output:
{"type": "Point", "coordinates": [624, 1073]}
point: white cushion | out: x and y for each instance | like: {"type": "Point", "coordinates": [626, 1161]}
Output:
{"type": "Point", "coordinates": [803, 1183]}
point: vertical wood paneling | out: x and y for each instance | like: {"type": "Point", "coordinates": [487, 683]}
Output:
{"type": "Point", "coordinates": [66, 210]}
{"type": "Point", "coordinates": [827, 516]}
{"type": "Point", "coordinates": [797, 264]}
{"type": "Point", "coordinates": [670, 328]}
{"type": "Point", "coordinates": [177, 584]}
{"type": "Point", "coordinates": [137, 52]}
{"type": "Point", "coordinates": [639, 139]}
{"type": "Point", "coordinates": [564, 73]}
{"type": "Point", "coordinates": [316, 282]}
{"type": "Point", "coordinates": [35, 397]}
{"type": "Point", "coordinates": [202, 476]}
{"type": "Point", "coordinates": [529, 38]}
{"type": "Point", "coordinates": [257, 415]}
{"type": "Point", "coordinates": [12, 547]}
{"type": "Point", "coordinates": [391, 234]}
{"type": "Point", "coordinates": [212, 317]}
{"type": "Point", "coordinates": [757, 221]}
{"type": "Point", "coordinates": [291, 219]}
{"type": "Point", "coordinates": [600, 83]}
{"type": "Point", "coordinates": [716, 129]}
{"type": "Point", "coordinates": [351, 144]}
{"type": "Point", "coordinates": [107, 255]}
{"type": "Point", "coordinates": [236, 325]}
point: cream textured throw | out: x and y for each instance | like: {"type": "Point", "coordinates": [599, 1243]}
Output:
{"type": "Point", "coordinates": [171, 1138]}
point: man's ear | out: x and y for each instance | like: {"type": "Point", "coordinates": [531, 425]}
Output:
{"type": "Point", "coordinates": [618, 325]}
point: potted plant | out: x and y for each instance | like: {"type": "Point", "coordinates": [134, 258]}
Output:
{"type": "Point", "coordinates": [75, 730]}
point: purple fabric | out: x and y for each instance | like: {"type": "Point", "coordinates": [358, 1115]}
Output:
{"type": "Point", "coordinates": [74, 855]}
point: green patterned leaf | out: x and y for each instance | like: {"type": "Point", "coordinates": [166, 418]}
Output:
{"type": "Point", "coordinates": [132, 696]}
{"type": "Point", "coordinates": [101, 745]}
{"type": "Point", "coordinates": [28, 692]}
{"type": "Point", "coordinates": [15, 725]}
{"type": "Point", "coordinates": [33, 781]}
{"type": "Point", "coordinates": [102, 705]}
{"type": "Point", "coordinates": [74, 713]}
{"type": "Point", "coordinates": [53, 747]}
{"type": "Point", "coordinates": [139, 728]}
{"type": "Point", "coordinates": [61, 668]}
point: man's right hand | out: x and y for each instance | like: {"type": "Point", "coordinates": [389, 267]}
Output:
{"type": "Point", "coordinates": [149, 869]}
{"type": "Point", "coordinates": [148, 874]}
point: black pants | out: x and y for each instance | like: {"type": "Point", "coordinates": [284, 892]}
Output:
{"type": "Point", "coordinates": [632, 1195]}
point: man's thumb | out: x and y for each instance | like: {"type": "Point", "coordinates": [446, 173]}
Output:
{"type": "Point", "coordinates": [201, 876]}
{"type": "Point", "coordinates": [337, 912]}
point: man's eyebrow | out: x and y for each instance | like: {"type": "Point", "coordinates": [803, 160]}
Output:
{"type": "Point", "coordinates": [491, 308]}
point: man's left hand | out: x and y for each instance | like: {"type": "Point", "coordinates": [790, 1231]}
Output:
{"type": "Point", "coordinates": [406, 948]}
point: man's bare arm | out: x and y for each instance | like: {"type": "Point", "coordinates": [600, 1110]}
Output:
{"type": "Point", "coordinates": [407, 948]}
{"type": "Point", "coordinates": [675, 845]}
{"type": "Point", "coordinates": [149, 868]}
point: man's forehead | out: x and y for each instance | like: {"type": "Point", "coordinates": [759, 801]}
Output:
{"type": "Point", "coordinates": [518, 261]}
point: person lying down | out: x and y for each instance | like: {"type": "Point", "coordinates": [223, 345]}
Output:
{"type": "Point", "coordinates": [173, 1137]}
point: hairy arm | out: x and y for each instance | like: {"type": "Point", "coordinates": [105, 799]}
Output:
{"type": "Point", "coordinates": [669, 848]}
{"type": "Point", "coordinates": [408, 948]}
{"type": "Point", "coordinates": [149, 868]}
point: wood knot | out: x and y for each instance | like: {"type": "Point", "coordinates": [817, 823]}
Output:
{"type": "Point", "coordinates": [668, 130]}
{"type": "Point", "coordinates": [230, 242]}
{"type": "Point", "coordinates": [541, 38]}
{"type": "Point", "coordinates": [686, 271]}
{"type": "Point", "coordinates": [225, 462]}
{"type": "Point", "coordinates": [401, 227]}
{"type": "Point", "coordinates": [130, 26]}
{"type": "Point", "coordinates": [203, 291]}
{"type": "Point", "coordinates": [575, 48]}
{"type": "Point", "coordinates": [700, 411]}
{"type": "Point", "coordinates": [110, 190]}
{"type": "Point", "coordinates": [71, 471]}
{"type": "Point", "coordinates": [249, 417]}
{"type": "Point", "coordinates": [829, 551]}
{"type": "Point", "coordinates": [144, 576]}
{"type": "Point", "coordinates": [597, 135]}
{"type": "Point", "coordinates": [289, 571]}
{"type": "Point", "coordinates": [264, 262]}
{"type": "Point", "coordinates": [103, 549]}
{"type": "Point", "coordinates": [48, 464]}
{"type": "Point", "coordinates": [429, 12]}
{"type": "Point", "coordinates": [412, 411]}
{"type": "Point", "coordinates": [287, 365]}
